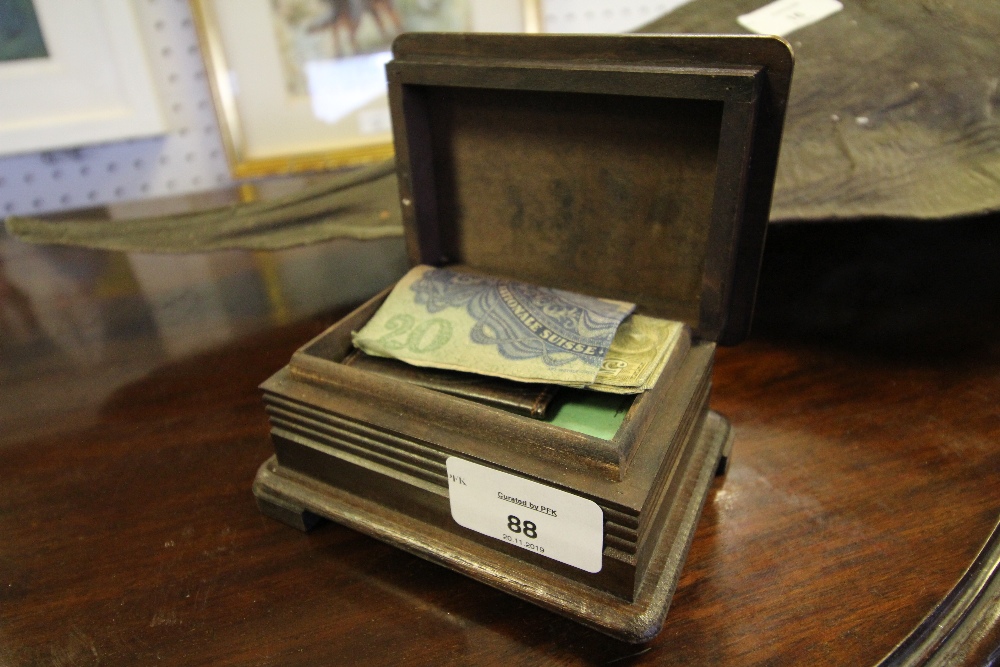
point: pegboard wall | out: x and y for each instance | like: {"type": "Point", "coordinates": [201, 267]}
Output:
{"type": "Point", "coordinates": [190, 157]}
{"type": "Point", "coordinates": [602, 15]}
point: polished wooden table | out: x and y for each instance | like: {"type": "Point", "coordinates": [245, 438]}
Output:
{"type": "Point", "coordinates": [863, 482]}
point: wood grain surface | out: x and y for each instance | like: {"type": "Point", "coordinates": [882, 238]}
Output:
{"type": "Point", "coordinates": [862, 485]}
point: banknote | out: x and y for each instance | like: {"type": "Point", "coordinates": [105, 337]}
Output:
{"type": "Point", "coordinates": [643, 349]}
{"type": "Point", "coordinates": [443, 318]}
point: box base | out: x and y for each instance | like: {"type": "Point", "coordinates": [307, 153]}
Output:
{"type": "Point", "coordinates": [303, 502]}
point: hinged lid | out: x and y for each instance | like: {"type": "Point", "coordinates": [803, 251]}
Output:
{"type": "Point", "coordinates": [634, 167]}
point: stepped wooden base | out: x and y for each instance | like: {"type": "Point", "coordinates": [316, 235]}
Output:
{"type": "Point", "coordinates": [301, 501]}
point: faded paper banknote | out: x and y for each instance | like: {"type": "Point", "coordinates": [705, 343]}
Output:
{"type": "Point", "coordinates": [442, 318]}
{"type": "Point", "coordinates": [643, 349]}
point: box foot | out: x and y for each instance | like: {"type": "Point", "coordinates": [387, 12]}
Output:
{"type": "Point", "coordinates": [717, 427]}
{"type": "Point", "coordinates": [284, 510]}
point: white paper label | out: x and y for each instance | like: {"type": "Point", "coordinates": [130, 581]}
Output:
{"type": "Point", "coordinates": [532, 516]}
{"type": "Point", "coordinates": [785, 16]}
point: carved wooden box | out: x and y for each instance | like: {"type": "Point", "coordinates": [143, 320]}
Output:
{"type": "Point", "coordinates": [636, 168]}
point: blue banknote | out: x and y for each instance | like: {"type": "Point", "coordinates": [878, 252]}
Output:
{"type": "Point", "coordinates": [464, 321]}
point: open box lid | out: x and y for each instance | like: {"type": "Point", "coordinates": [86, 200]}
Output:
{"type": "Point", "coordinates": [632, 167]}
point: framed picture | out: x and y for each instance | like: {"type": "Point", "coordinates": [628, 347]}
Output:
{"type": "Point", "coordinates": [72, 74]}
{"type": "Point", "coordinates": [300, 84]}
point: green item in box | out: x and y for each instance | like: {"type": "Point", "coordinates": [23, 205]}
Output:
{"type": "Point", "coordinates": [590, 412]}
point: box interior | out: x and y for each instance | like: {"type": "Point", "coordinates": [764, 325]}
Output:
{"type": "Point", "coordinates": [600, 415]}
{"type": "Point", "coordinates": [604, 194]}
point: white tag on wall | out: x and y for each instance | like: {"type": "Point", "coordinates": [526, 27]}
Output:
{"type": "Point", "coordinates": [526, 514]}
{"type": "Point", "coordinates": [786, 16]}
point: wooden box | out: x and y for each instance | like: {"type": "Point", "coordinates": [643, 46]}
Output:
{"type": "Point", "coordinates": [637, 168]}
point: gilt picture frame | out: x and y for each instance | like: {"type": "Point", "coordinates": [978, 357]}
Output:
{"type": "Point", "coordinates": [299, 85]}
{"type": "Point", "coordinates": [73, 74]}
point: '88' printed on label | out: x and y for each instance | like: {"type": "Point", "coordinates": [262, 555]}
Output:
{"type": "Point", "coordinates": [526, 514]}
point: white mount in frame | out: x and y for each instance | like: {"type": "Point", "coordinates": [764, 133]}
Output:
{"type": "Point", "coordinates": [94, 86]}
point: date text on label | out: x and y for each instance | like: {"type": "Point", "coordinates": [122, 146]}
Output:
{"type": "Point", "coordinates": [526, 514]}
